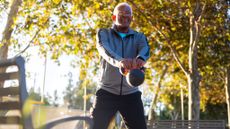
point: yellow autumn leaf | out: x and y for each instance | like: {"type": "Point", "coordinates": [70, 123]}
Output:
{"type": "Point", "coordinates": [56, 1]}
{"type": "Point", "coordinates": [173, 28]}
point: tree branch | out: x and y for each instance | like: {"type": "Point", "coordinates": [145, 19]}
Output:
{"type": "Point", "coordinates": [156, 94]}
{"type": "Point", "coordinates": [31, 41]}
{"type": "Point", "coordinates": [35, 35]}
{"type": "Point", "coordinates": [198, 15]}
{"type": "Point", "coordinates": [86, 20]}
{"type": "Point", "coordinates": [175, 54]}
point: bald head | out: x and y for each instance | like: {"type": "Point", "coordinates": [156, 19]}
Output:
{"type": "Point", "coordinates": [122, 17]}
{"type": "Point", "coordinates": [123, 5]}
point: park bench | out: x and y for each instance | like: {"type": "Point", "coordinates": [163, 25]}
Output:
{"type": "Point", "coordinates": [20, 93]}
{"type": "Point", "coordinates": [188, 124]}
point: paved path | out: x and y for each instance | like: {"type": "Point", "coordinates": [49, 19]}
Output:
{"type": "Point", "coordinates": [43, 114]}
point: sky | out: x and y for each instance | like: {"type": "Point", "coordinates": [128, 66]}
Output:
{"type": "Point", "coordinates": [56, 77]}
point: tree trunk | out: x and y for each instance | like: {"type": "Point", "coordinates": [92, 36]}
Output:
{"type": "Point", "coordinates": [182, 101]}
{"type": "Point", "coordinates": [152, 113]}
{"type": "Point", "coordinates": [193, 75]}
{"type": "Point", "coordinates": [227, 89]}
{"type": "Point", "coordinates": [8, 31]}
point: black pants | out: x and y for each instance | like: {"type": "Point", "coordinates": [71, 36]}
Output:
{"type": "Point", "coordinates": [107, 105]}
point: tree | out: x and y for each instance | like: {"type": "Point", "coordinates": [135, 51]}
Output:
{"type": "Point", "coordinates": [55, 99]}
{"type": "Point", "coordinates": [192, 74]}
{"type": "Point", "coordinates": [217, 46]}
{"type": "Point", "coordinates": [173, 26]}
{"type": "Point", "coordinates": [174, 29]}
{"type": "Point", "coordinates": [74, 95]}
{"type": "Point", "coordinates": [227, 89]}
{"type": "Point", "coordinates": [37, 97]}
{"type": "Point", "coordinates": [69, 94]}
{"type": "Point", "coordinates": [152, 112]}
{"type": "Point", "coordinates": [80, 95]}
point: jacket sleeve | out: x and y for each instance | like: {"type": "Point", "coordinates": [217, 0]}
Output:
{"type": "Point", "coordinates": [104, 49]}
{"type": "Point", "coordinates": [143, 48]}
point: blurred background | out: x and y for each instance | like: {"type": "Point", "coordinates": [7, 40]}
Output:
{"type": "Point", "coordinates": [190, 55]}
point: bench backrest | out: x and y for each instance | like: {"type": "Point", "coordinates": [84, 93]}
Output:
{"type": "Point", "coordinates": [18, 93]}
{"type": "Point", "coordinates": [189, 124]}
{"type": "Point", "coordinates": [15, 98]}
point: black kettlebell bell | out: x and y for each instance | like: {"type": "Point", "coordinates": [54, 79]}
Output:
{"type": "Point", "coordinates": [134, 77]}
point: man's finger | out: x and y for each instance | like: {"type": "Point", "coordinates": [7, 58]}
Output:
{"type": "Point", "coordinates": [134, 63]}
{"type": "Point", "coordinates": [140, 63]}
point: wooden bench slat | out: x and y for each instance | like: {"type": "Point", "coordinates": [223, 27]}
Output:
{"type": "Point", "coordinates": [12, 104]}
{"type": "Point", "coordinates": [188, 128]}
{"type": "Point", "coordinates": [189, 124]}
{"type": "Point", "coordinates": [9, 76]}
{"type": "Point", "coordinates": [10, 120]}
{"type": "Point", "coordinates": [9, 105]}
{"type": "Point", "coordinates": [9, 91]}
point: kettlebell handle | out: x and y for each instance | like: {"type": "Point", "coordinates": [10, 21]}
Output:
{"type": "Point", "coordinates": [124, 72]}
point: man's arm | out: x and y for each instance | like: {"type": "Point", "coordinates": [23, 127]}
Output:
{"type": "Point", "coordinates": [104, 49]}
{"type": "Point", "coordinates": [143, 51]}
{"type": "Point", "coordinates": [143, 48]}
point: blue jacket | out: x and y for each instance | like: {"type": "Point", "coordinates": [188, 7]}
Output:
{"type": "Point", "coordinates": [112, 48]}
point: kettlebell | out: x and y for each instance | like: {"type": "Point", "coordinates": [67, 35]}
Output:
{"type": "Point", "coordinates": [134, 77]}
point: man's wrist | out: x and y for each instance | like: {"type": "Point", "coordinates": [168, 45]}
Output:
{"type": "Point", "coordinates": [139, 57]}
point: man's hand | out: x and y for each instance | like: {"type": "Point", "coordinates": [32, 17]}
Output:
{"type": "Point", "coordinates": [131, 63]}
{"type": "Point", "coordinates": [139, 63]}
{"type": "Point", "coordinates": [126, 64]}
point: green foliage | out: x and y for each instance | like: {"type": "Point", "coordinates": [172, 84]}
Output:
{"type": "Point", "coordinates": [74, 95]}
{"type": "Point", "coordinates": [37, 97]}
{"type": "Point", "coordinates": [69, 93]}
{"type": "Point", "coordinates": [170, 97]}
{"type": "Point", "coordinates": [164, 114]}
{"type": "Point", "coordinates": [90, 91]}
{"type": "Point", "coordinates": [215, 112]}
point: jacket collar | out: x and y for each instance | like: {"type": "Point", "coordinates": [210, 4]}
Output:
{"type": "Point", "coordinates": [130, 31]}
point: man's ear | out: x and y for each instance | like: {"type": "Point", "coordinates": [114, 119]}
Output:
{"type": "Point", "coordinates": [114, 17]}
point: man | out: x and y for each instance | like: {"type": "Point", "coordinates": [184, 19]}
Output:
{"type": "Point", "coordinates": [120, 47]}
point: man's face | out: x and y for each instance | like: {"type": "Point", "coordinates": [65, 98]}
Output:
{"type": "Point", "coordinates": [123, 17]}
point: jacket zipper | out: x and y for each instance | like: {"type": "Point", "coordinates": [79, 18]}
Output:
{"type": "Point", "coordinates": [122, 47]}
